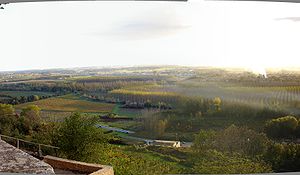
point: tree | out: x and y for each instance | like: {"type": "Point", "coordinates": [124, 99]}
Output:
{"type": "Point", "coordinates": [45, 133]}
{"type": "Point", "coordinates": [194, 107]}
{"type": "Point", "coordinates": [6, 110]}
{"type": "Point", "coordinates": [23, 99]}
{"type": "Point", "coordinates": [24, 126]}
{"type": "Point", "coordinates": [204, 140]}
{"type": "Point", "coordinates": [241, 140]}
{"type": "Point", "coordinates": [33, 98]}
{"type": "Point", "coordinates": [214, 162]}
{"type": "Point", "coordinates": [154, 123]}
{"type": "Point", "coordinates": [233, 140]}
{"type": "Point", "coordinates": [78, 136]}
{"type": "Point", "coordinates": [29, 120]}
{"type": "Point", "coordinates": [217, 103]}
{"type": "Point", "coordinates": [283, 127]}
{"type": "Point", "coordinates": [161, 127]}
{"type": "Point", "coordinates": [283, 157]}
{"type": "Point", "coordinates": [298, 130]}
{"type": "Point", "coordinates": [32, 112]}
{"type": "Point", "coordinates": [7, 119]}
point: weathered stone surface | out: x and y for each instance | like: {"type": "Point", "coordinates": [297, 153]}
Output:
{"type": "Point", "coordinates": [13, 160]}
{"type": "Point", "coordinates": [80, 167]}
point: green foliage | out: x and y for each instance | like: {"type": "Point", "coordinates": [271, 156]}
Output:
{"type": "Point", "coordinates": [194, 114]}
{"type": "Point", "coordinates": [233, 140]}
{"type": "Point", "coordinates": [152, 97]}
{"type": "Point", "coordinates": [214, 162]}
{"type": "Point", "coordinates": [127, 160]}
{"type": "Point", "coordinates": [6, 110]}
{"type": "Point", "coordinates": [154, 123]}
{"type": "Point", "coordinates": [46, 133]}
{"type": "Point", "coordinates": [283, 127]}
{"type": "Point", "coordinates": [232, 150]}
{"type": "Point", "coordinates": [15, 97]}
{"type": "Point", "coordinates": [32, 112]}
{"type": "Point", "coordinates": [77, 137]}
{"type": "Point", "coordinates": [29, 120]}
{"type": "Point", "coordinates": [11, 124]}
{"type": "Point", "coordinates": [35, 97]}
{"type": "Point", "coordinates": [204, 141]}
{"type": "Point", "coordinates": [241, 140]}
{"type": "Point", "coordinates": [217, 103]}
{"type": "Point", "coordinates": [7, 119]}
{"type": "Point", "coordinates": [18, 94]}
{"type": "Point", "coordinates": [127, 112]}
{"type": "Point", "coordinates": [224, 148]}
{"type": "Point", "coordinates": [194, 107]}
{"type": "Point", "coordinates": [283, 157]}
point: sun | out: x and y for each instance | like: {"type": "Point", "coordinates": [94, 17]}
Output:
{"type": "Point", "coordinates": [259, 70]}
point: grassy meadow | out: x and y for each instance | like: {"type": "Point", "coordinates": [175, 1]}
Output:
{"type": "Point", "coordinates": [125, 112]}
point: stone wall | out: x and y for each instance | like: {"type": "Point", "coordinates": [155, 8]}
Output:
{"type": "Point", "coordinates": [81, 167]}
{"type": "Point", "coordinates": [13, 160]}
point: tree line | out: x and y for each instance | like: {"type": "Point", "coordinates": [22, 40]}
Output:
{"type": "Point", "coordinates": [23, 99]}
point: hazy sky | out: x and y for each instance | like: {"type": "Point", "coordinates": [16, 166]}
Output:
{"type": "Point", "coordinates": [197, 33]}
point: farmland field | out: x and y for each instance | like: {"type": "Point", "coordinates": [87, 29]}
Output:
{"type": "Point", "coordinates": [54, 116]}
{"type": "Point", "coordinates": [126, 112]}
{"type": "Point", "coordinates": [67, 104]}
{"type": "Point", "coordinates": [220, 107]}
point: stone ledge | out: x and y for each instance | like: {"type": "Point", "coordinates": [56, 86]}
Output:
{"type": "Point", "coordinates": [14, 160]}
{"type": "Point", "coordinates": [71, 165]}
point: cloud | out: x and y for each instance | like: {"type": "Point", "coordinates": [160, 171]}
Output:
{"type": "Point", "coordinates": [153, 25]}
{"type": "Point", "coordinates": [145, 30]}
{"type": "Point", "coordinates": [294, 19]}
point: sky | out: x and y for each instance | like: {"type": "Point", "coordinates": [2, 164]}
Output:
{"type": "Point", "coordinates": [197, 33]}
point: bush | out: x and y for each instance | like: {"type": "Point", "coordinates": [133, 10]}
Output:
{"type": "Point", "coordinates": [78, 136]}
{"type": "Point", "coordinates": [242, 140]}
{"type": "Point", "coordinates": [204, 141]}
{"type": "Point", "coordinates": [233, 139]}
{"type": "Point", "coordinates": [7, 119]}
{"type": "Point", "coordinates": [284, 127]}
{"type": "Point", "coordinates": [214, 162]}
{"type": "Point", "coordinates": [283, 157]}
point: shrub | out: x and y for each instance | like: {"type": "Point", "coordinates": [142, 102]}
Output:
{"type": "Point", "coordinates": [283, 157]}
{"type": "Point", "coordinates": [77, 137]}
{"type": "Point", "coordinates": [214, 162]}
{"type": "Point", "coordinates": [283, 127]}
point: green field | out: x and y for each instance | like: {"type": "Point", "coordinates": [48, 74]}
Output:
{"type": "Point", "coordinates": [126, 112]}
{"type": "Point", "coordinates": [70, 103]}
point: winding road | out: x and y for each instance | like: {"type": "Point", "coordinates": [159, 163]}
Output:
{"type": "Point", "coordinates": [145, 140]}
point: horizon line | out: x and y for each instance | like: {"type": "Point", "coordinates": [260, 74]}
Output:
{"type": "Point", "coordinates": [132, 66]}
